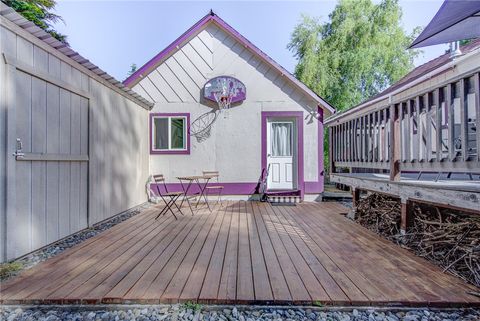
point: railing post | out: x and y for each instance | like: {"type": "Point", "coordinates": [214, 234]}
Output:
{"type": "Point", "coordinates": [355, 197]}
{"type": "Point", "coordinates": [394, 143]}
{"type": "Point", "coordinates": [331, 166]}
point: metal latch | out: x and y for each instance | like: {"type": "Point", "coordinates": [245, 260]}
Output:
{"type": "Point", "coordinates": [19, 152]}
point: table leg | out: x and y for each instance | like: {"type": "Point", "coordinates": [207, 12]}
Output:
{"type": "Point", "coordinates": [185, 195]}
{"type": "Point", "coordinates": [202, 192]}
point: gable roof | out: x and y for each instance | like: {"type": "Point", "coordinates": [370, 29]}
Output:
{"type": "Point", "coordinates": [194, 30]}
{"type": "Point", "coordinates": [14, 17]}
{"type": "Point", "coordinates": [432, 68]}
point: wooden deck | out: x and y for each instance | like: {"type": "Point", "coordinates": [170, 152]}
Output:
{"type": "Point", "coordinates": [242, 252]}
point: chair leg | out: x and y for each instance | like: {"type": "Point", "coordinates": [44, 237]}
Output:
{"type": "Point", "coordinates": [168, 207]}
{"type": "Point", "coordinates": [175, 203]}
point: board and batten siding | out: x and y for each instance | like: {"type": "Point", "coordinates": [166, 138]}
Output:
{"type": "Point", "coordinates": [59, 108]}
{"type": "Point", "coordinates": [234, 146]}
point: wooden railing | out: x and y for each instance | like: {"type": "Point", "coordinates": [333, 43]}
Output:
{"type": "Point", "coordinates": [437, 130]}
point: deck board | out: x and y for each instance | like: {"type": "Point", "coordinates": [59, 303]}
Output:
{"type": "Point", "coordinates": [240, 252]}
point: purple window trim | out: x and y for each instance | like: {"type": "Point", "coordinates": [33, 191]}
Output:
{"type": "Point", "coordinates": [152, 63]}
{"type": "Point", "coordinates": [298, 115]}
{"type": "Point", "coordinates": [172, 152]}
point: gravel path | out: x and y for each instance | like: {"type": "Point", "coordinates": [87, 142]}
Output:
{"type": "Point", "coordinates": [58, 247]}
{"type": "Point", "coordinates": [194, 312]}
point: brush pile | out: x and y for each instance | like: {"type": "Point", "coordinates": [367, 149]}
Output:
{"type": "Point", "coordinates": [381, 214]}
{"type": "Point", "coordinates": [448, 238]}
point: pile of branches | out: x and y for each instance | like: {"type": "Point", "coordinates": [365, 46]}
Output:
{"type": "Point", "coordinates": [381, 214]}
{"type": "Point", "coordinates": [448, 238]}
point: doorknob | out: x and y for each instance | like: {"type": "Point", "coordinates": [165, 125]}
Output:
{"type": "Point", "coordinates": [19, 153]}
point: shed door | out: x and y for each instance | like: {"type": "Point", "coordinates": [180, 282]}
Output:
{"type": "Point", "coordinates": [47, 139]}
{"type": "Point", "coordinates": [281, 154]}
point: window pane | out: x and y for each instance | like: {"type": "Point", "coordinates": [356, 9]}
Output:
{"type": "Point", "coordinates": [281, 139]}
{"type": "Point", "coordinates": [160, 135]}
{"type": "Point", "coordinates": [178, 133]}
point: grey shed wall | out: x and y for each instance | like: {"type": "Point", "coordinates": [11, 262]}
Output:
{"type": "Point", "coordinates": [60, 108]}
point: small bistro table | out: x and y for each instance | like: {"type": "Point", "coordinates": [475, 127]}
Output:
{"type": "Point", "coordinates": [187, 181]}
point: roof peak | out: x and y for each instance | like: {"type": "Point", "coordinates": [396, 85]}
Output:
{"type": "Point", "coordinates": [211, 17]}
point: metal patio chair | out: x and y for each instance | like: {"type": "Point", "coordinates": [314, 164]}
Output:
{"type": "Point", "coordinates": [169, 198]}
{"type": "Point", "coordinates": [215, 186]}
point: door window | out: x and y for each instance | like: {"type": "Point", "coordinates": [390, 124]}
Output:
{"type": "Point", "coordinates": [281, 139]}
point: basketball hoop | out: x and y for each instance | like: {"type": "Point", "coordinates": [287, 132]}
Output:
{"type": "Point", "coordinates": [225, 93]}
{"type": "Point", "coordinates": [201, 127]}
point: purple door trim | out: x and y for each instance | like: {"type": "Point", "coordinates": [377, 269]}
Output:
{"type": "Point", "coordinates": [317, 187]}
{"type": "Point", "coordinates": [298, 115]}
{"type": "Point", "coordinates": [171, 152]}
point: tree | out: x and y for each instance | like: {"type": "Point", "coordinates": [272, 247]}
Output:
{"type": "Point", "coordinates": [133, 68]}
{"type": "Point", "coordinates": [40, 13]}
{"type": "Point", "coordinates": [359, 52]}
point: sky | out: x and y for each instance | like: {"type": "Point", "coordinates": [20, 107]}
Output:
{"type": "Point", "coordinates": [114, 34]}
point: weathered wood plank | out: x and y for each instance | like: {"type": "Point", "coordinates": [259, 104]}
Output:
{"type": "Point", "coordinates": [335, 260]}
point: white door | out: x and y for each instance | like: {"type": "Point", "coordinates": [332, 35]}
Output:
{"type": "Point", "coordinates": [280, 154]}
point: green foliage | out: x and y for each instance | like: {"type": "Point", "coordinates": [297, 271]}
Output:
{"type": "Point", "coordinates": [318, 303]}
{"type": "Point", "coordinates": [40, 13]}
{"type": "Point", "coordinates": [133, 68]}
{"type": "Point", "coordinates": [359, 52]}
{"type": "Point", "coordinates": [6, 269]}
{"type": "Point", "coordinates": [192, 306]}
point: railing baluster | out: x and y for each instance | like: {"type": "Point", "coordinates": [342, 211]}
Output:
{"type": "Point", "coordinates": [419, 129]}
{"type": "Point", "coordinates": [451, 123]}
{"type": "Point", "coordinates": [377, 135]}
{"type": "Point", "coordinates": [350, 143]}
{"type": "Point", "coordinates": [362, 139]}
{"type": "Point", "coordinates": [429, 128]}
{"type": "Point", "coordinates": [463, 120]}
{"type": "Point", "coordinates": [476, 85]}
{"type": "Point", "coordinates": [354, 140]}
{"type": "Point", "coordinates": [331, 146]}
{"type": "Point", "coordinates": [438, 124]}
{"type": "Point", "coordinates": [384, 136]}
{"type": "Point", "coordinates": [370, 138]}
{"type": "Point", "coordinates": [342, 137]}
{"type": "Point", "coordinates": [407, 131]}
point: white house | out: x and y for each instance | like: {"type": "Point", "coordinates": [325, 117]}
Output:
{"type": "Point", "coordinates": [274, 122]}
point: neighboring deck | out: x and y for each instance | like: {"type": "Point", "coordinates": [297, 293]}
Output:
{"type": "Point", "coordinates": [243, 252]}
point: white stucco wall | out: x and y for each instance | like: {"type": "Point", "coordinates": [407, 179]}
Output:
{"type": "Point", "coordinates": [234, 147]}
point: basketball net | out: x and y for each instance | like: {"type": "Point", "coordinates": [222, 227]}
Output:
{"type": "Point", "coordinates": [224, 99]}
